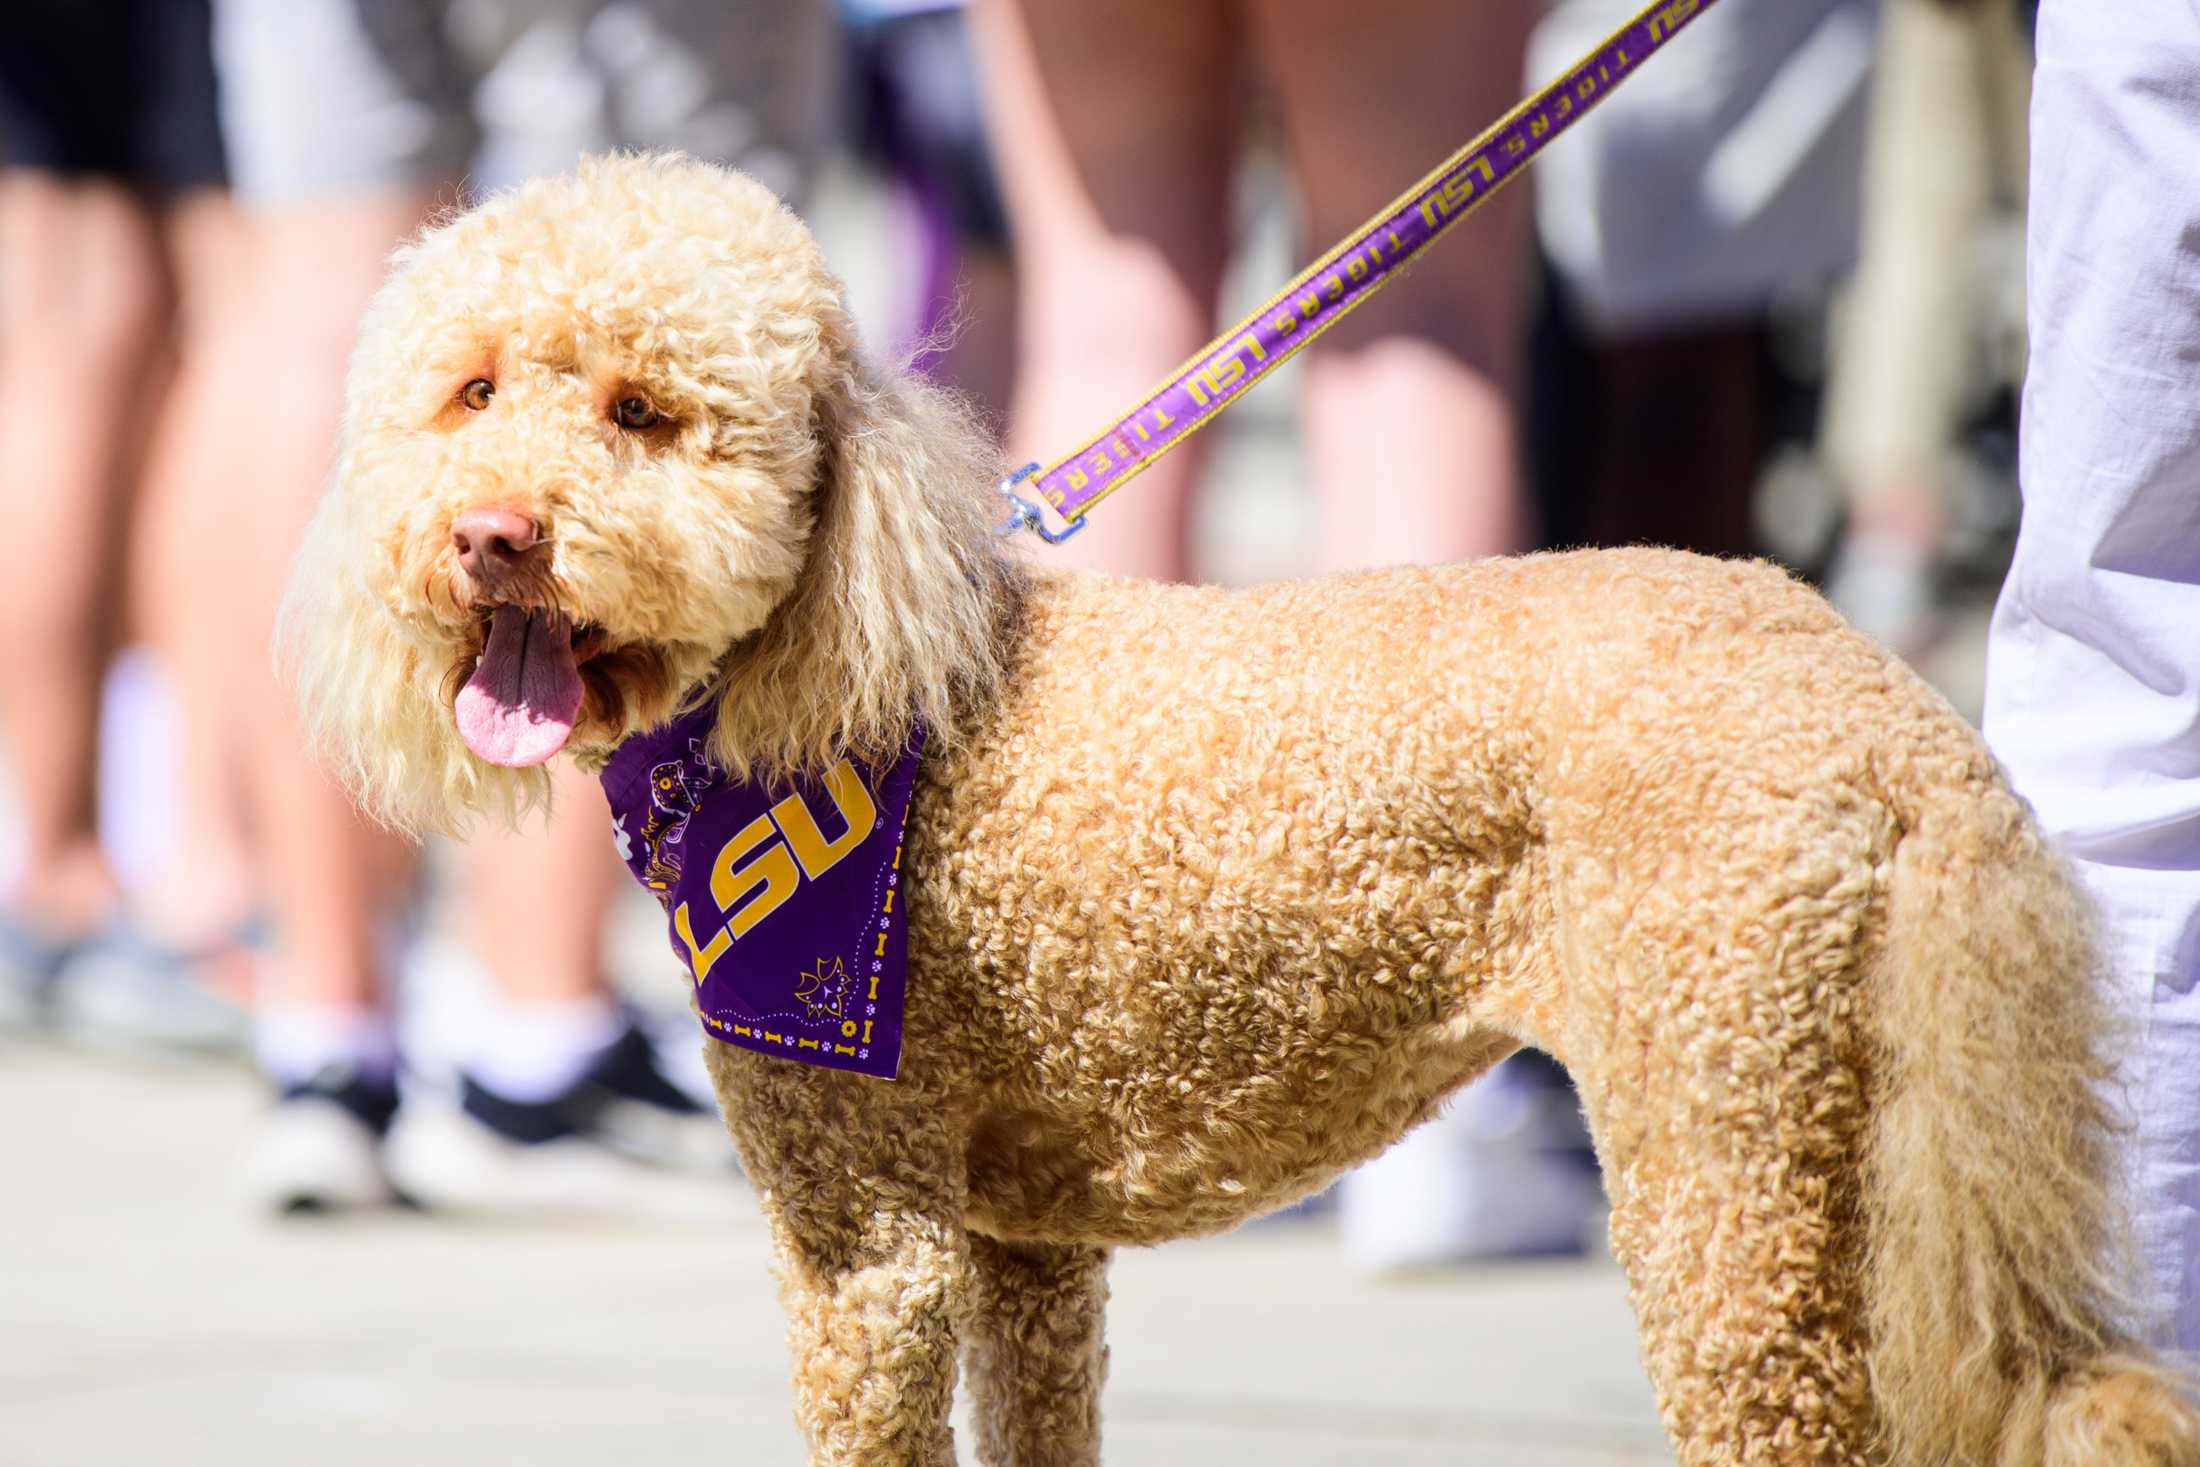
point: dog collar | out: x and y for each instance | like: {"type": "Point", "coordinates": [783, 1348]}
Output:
{"type": "Point", "coordinates": [781, 896]}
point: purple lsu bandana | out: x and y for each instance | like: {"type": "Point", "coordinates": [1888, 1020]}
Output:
{"type": "Point", "coordinates": [783, 898]}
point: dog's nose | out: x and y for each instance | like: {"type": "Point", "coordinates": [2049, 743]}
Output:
{"type": "Point", "coordinates": [491, 539]}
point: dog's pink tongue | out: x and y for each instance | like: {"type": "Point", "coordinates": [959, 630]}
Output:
{"type": "Point", "coordinates": [518, 707]}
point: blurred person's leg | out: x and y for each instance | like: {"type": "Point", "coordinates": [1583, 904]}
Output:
{"type": "Point", "coordinates": [331, 877]}
{"type": "Point", "coordinates": [82, 311]}
{"type": "Point", "coordinates": [173, 970]}
{"type": "Point", "coordinates": [1905, 361]}
{"type": "Point", "coordinates": [2093, 675]}
{"type": "Point", "coordinates": [1116, 128]}
{"type": "Point", "coordinates": [339, 159]}
{"type": "Point", "coordinates": [537, 900]}
{"type": "Point", "coordinates": [531, 909]}
{"type": "Point", "coordinates": [343, 134]}
{"type": "Point", "coordinates": [117, 97]}
{"type": "Point", "coordinates": [205, 895]}
{"type": "Point", "coordinates": [563, 1103]}
{"type": "Point", "coordinates": [333, 881]}
{"type": "Point", "coordinates": [1411, 401]}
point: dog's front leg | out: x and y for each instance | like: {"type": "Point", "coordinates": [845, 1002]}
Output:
{"type": "Point", "coordinates": [871, 1322]}
{"type": "Point", "coordinates": [1035, 1353]}
{"type": "Point", "coordinates": [865, 1196]}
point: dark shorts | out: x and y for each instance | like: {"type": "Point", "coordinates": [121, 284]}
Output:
{"type": "Point", "coordinates": [915, 99]}
{"type": "Point", "coordinates": [116, 88]}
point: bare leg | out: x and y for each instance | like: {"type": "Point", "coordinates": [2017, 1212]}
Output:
{"type": "Point", "coordinates": [539, 898]}
{"type": "Point", "coordinates": [82, 298]}
{"type": "Point", "coordinates": [328, 873]}
{"type": "Point", "coordinates": [1116, 128]}
{"type": "Point", "coordinates": [537, 902]}
{"type": "Point", "coordinates": [1896, 396]}
{"type": "Point", "coordinates": [1410, 414]}
{"type": "Point", "coordinates": [186, 526]}
{"type": "Point", "coordinates": [1036, 1354]}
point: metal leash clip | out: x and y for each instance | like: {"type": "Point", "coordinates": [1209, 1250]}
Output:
{"type": "Point", "coordinates": [1023, 514]}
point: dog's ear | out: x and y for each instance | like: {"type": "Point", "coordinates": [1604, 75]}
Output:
{"type": "Point", "coordinates": [371, 694]}
{"type": "Point", "coordinates": [894, 615]}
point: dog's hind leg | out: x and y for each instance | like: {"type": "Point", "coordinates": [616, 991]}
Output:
{"type": "Point", "coordinates": [1712, 1030]}
{"type": "Point", "coordinates": [1035, 1353]}
{"type": "Point", "coordinates": [1743, 1259]}
{"type": "Point", "coordinates": [864, 1192]}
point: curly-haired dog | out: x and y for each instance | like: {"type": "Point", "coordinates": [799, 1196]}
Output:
{"type": "Point", "coordinates": [1213, 894]}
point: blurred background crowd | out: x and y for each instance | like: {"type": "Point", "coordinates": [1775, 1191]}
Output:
{"type": "Point", "coordinates": [1767, 301]}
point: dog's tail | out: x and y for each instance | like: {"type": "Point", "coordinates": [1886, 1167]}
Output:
{"type": "Point", "coordinates": [2001, 1332]}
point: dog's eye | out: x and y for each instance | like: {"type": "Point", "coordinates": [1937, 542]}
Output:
{"type": "Point", "coordinates": [634, 412]}
{"type": "Point", "coordinates": [476, 394]}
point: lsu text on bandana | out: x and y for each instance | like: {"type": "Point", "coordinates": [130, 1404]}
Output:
{"type": "Point", "coordinates": [784, 900]}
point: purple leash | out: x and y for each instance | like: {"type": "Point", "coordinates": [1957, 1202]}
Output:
{"type": "Point", "coordinates": [1376, 253]}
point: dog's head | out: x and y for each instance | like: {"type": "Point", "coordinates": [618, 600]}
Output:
{"type": "Point", "coordinates": [609, 449]}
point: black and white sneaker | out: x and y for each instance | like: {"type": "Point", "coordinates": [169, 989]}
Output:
{"type": "Point", "coordinates": [319, 1147]}
{"type": "Point", "coordinates": [624, 1140]}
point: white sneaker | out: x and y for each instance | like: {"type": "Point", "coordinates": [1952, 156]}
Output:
{"type": "Point", "coordinates": [319, 1148]}
{"type": "Point", "coordinates": [123, 990]}
{"type": "Point", "coordinates": [1502, 1173]}
{"type": "Point", "coordinates": [30, 964]}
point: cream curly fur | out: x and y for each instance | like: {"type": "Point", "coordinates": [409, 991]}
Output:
{"type": "Point", "coordinates": [1214, 894]}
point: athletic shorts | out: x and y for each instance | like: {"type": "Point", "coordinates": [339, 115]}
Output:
{"type": "Point", "coordinates": [120, 89]}
{"type": "Point", "coordinates": [323, 99]}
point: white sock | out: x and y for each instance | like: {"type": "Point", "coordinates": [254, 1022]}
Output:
{"type": "Point", "coordinates": [533, 1052]}
{"type": "Point", "coordinates": [295, 1042]}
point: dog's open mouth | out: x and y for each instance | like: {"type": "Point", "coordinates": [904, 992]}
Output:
{"type": "Point", "coordinates": [519, 706]}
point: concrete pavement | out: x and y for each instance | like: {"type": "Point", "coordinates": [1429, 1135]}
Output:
{"type": "Point", "coordinates": [146, 1319]}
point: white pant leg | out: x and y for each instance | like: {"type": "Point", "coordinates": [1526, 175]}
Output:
{"type": "Point", "coordinates": [2093, 670]}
